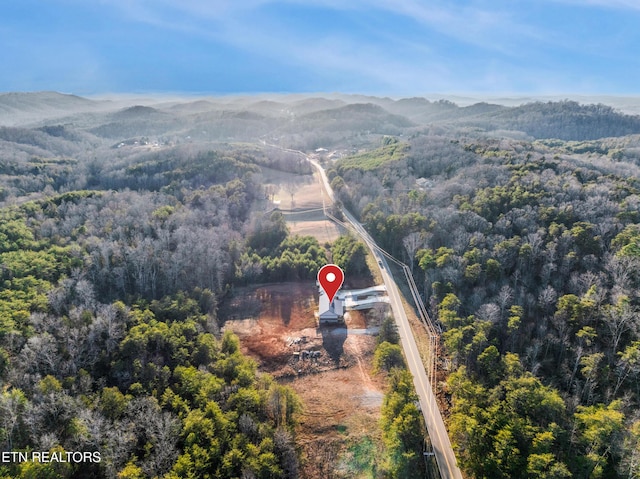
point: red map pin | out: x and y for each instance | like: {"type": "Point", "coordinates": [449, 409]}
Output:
{"type": "Point", "coordinates": [330, 278]}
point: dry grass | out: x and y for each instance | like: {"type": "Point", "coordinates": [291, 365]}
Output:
{"type": "Point", "coordinates": [303, 209]}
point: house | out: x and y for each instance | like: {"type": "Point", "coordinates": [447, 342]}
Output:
{"type": "Point", "coordinates": [425, 184]}
{"type": "Point", "coordinates": [329, 313]}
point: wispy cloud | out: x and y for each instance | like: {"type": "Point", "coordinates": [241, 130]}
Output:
{"type": "Point", "coordinates": [386, 45]}
{"type": "Point", "coordinates": [488, 27]}
{"type": "Point", "coordinates": [616, 4]}
{"type": "Point", "coordinates": [245, 25]}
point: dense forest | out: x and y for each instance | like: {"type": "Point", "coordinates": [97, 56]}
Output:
{"type": "Point", "coordinates": [123, 227]}
{"type": "Point", "coordinates": [528, 255]}
{"type": "Point", "coordinates": [109, 333]}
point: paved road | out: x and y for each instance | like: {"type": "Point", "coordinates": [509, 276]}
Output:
{"type": "Point", "coordinates": [435, 425]}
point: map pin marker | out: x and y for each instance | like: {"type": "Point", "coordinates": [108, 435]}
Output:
{"type": "Point", "coordinates": [330, 278]}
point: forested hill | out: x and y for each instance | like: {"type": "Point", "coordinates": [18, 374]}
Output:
{"type": "Point", "coordinates": [41, 101]}
{"type": "Point", "coordinates": [527, 253]}
{"type": "Point", "coordinates": [113, 263]}
{"type": "Point", "coordinates": [18, 108]}
{"type": "Point", "coordinates": [566, 120]}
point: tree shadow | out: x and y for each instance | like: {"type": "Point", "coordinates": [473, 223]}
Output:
{"type": "Point", "coordinates": [286, 306]}
{"type": "Point", "coordinates": [333, 338]}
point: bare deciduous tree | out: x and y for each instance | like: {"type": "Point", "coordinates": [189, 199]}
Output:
{"type": "Point", "coordinates": [412, 242]}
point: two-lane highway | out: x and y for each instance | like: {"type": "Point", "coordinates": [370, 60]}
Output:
{"type": "Point", "coordinates": [435, 425]}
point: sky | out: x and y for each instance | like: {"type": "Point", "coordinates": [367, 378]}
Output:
{"type": "Point", "coordinates": [379, 47]}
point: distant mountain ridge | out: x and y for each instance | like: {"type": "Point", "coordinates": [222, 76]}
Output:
{"type": "Point", "coordinates": [564, 120]}
{"type": "Point", "coordinates": [24, 107]}
{"type": "Point", "coordinates": [50, 99]}
{"type": "Point", "coordinates": [239, 117]}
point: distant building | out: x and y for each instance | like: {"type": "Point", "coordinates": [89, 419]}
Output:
{"type": "Point", "coordinates": [425, 184]}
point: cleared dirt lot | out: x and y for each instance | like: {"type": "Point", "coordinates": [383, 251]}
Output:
{"type": "Point", "coordinates": [338, 429]}
{"type": "Point", "coordinates": [299, 197]}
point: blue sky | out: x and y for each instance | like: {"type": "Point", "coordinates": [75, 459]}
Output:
{"type": "Point", "coordinates": [383, 47]}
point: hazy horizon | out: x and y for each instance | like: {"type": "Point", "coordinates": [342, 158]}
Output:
{"type": "Point", "coordinates": [629, 104]}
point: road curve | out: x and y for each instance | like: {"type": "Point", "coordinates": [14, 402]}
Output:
{"type": "Point", "coordinates": [435, 425]}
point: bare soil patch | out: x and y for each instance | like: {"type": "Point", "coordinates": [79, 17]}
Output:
{"type": "Point", "coordinates": [330, 367]}
{"type": "Point", "coordinates": [300, 197]}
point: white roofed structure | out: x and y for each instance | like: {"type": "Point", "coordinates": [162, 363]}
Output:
{"type": "Point", "coordinates": [355, 299]}
{"type": "Point", "coordinates": [329, 312]}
